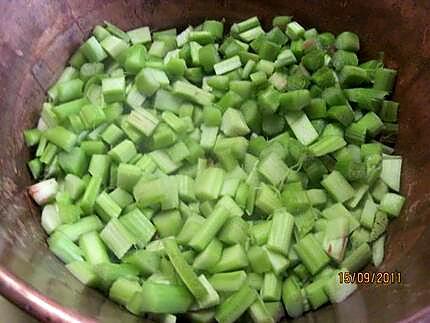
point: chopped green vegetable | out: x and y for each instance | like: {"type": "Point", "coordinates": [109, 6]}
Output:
{"type": "Point", "coordinates": [220, 174]}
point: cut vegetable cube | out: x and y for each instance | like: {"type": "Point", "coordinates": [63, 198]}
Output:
{"type": "Point", "coordinates": [117, 237]}
{"type": "Point", "coordinates": [392, 204]}
{"type": "Point", "coordinates": [209, 183]}
{"type": "Point", "coordinates": [338, 186]}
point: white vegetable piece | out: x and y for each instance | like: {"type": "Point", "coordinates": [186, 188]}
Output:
{"type": "Point", "coordinates": [50, 218]}
{"type": "Point", "coordinates": [44, 191]}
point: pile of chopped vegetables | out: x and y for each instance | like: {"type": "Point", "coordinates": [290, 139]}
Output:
{"type": "Point", "coordinates": [218, 177]}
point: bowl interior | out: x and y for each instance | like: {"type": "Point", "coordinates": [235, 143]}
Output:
{"type": "Point", "coordinates": [37, 38]}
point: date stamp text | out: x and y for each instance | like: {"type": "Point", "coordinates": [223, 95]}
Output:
{"type": "Point", "coordinates": [380, 278]}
